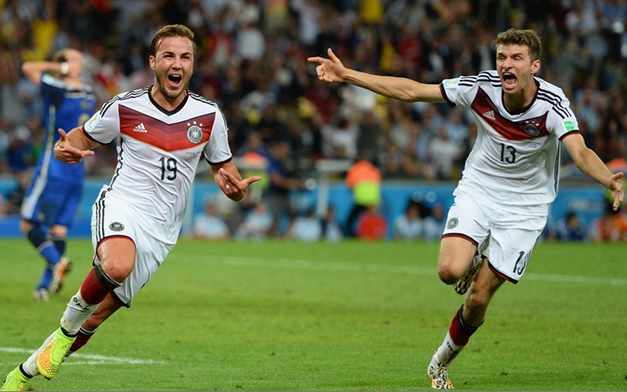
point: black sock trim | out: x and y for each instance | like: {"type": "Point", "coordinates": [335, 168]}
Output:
{"type": "Point", "coordinates": [66, 333]}
{"type": "Point", "coordinates": [84, 332]}
{"type": "Point", "coordinates": [104, 279]}
{"type": "Point", "coordinates": [464, 324]}
{"type": "Point", "coordinates": [24, 371]}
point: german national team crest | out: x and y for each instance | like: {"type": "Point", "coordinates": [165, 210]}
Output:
{"type": "Point", "coordinates": [452, 223]}
{"type": "Point", "coordinates": [194, 134]}
{"type": "Point", "coordinates": [116, 226]}
{"type": "Point", "coordinates": [531, 130]}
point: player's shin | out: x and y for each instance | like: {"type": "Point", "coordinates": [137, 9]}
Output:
{"type": "Point", "coordinates": [456, 339]}
{"type": "Point", "coordinates": [93, 291]}
{"type": "Point", "coordinates": [76, 312]}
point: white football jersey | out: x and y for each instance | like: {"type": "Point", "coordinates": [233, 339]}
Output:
{"type": "Point", "coordinates": [158, 153]}
{"type": "Point", "coordinates": [515, 160]}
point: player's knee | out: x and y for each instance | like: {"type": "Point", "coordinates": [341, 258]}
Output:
{"type": "Point", "coordinates": [117, 272]}
{"type": "Point", "coordinates": [58, 231]}
{"type": "Point", "coordinates": [447, 274]}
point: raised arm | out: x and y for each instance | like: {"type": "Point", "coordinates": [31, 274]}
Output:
{"type": "Point", "coordinates": [332, 70]}
{"type": "Point", "coordinates": [71, 66]}
{"type": "Point", "coordinates": [589, 162]}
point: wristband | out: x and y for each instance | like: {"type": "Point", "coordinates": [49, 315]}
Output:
{"type": "Point", "coordinates": [65, 69]}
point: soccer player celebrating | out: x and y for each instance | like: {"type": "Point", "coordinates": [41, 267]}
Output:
{"type": "Point", "coordinates": [509, 180]}
{"type": "Point", "coordinates": [163, 131]}
{"type": "Point", "coordinates": [56, 188]}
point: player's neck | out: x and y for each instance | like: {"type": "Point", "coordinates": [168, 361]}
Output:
{"type": "Point", "coordinates": [73, 82]}
{"type": "Point", "coordinates": [515, 103]}
{"type": "Point", "coordinates": [167, 103]}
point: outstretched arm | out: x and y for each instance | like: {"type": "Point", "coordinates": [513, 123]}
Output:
{"type": "Point", "coordinates": [332, 70]}
{"type": "Point", "coordinates": [74, 146]}
{"type": "Point", "coordinates": [230, 181]}
{"type": "Point", "coordinates": [590, 163]}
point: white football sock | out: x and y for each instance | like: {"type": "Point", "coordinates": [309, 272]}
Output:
{"type": "Point", "coordinates": [76, 312]}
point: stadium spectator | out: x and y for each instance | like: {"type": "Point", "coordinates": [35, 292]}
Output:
{"type": "Point", "coordinates": [15, 197]}
{"type": "Point", "coordinates": [364, 180]}
{"type": "Point", "coordinates": [21, 154]}
{"type": "Point", "coordinates": [209, 225]}
{"type": "Point", "coordinates": [609, 227]}
{"type": "Point", "coordinates": [5, 140]}
{"type": "Point", "coordinates": [408, 226]}
{"type": "Point", "coordinates": [570, 228]}
{"type": "Point", "coordinates": [284, 179]}
{"type": "Point", "coordinates": [138, 216]}
{"type": "Point", "coordinates": [56, 189]}
{"type": "Point", "coordinates": [332, 232]}
{"type": "Point", "coordinates": [305, 227]}
{"type": "Point", "coordinates": [434, 223]}
{"type": "Point", "coordinates": [257, 224]}
{"type": "Point", "coordinates": [372, 225]}
{"type": "Point", "coordinates": [510, 177]}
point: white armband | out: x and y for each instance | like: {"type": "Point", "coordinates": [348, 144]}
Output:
{"type": "Point", "coordinates": [65, 68]}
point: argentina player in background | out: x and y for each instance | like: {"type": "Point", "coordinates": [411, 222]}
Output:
{"type": "Point", "coordinates": [56, 188]}
{"type": "Point", "coordinates": [509, 180]}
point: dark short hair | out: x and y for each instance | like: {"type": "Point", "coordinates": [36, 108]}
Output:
{"type": "Point", "coordinates": [528, 38]}
{"type": "Point", "coordinates": [175, 30]}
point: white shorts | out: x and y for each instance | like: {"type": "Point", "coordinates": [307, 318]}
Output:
{"type": "Point", "coordinates": [112, 218]}
{"type": "Point", "coordinates": [506, 237]}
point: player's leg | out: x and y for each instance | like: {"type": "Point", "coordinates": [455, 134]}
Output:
{"type": "Point", "coordinates": [107, 307]}
{"type": "Point", "coordinates": [466, 230]}
{"type": "Point", "coordinates": [42, 243]}
{"type": "Point", "coordinates": [113, 264]}
{"type": "Point", "coordinates": [18, 377]}
{"type": "Point", "coordinates": [58, 235]}
{"type": "Point", "coordinates": [455, 256]}
{"type": "Point", "coordinates": [70, 193]}
{"type": "Point", "coordinates": [462, 286]}
{"type": "Point", "coordinates": [463, 325]}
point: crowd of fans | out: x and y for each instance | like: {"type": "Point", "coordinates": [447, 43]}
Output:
{"type": "Point", "coordinates": [251, 60]}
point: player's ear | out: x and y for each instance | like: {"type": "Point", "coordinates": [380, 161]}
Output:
{"type": "Point", "coordinates": [151, 61]}
{"type": "Point", "coordinates": [535, 66]}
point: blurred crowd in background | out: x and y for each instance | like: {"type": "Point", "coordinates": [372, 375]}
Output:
{"type": "Point", "coordinates": [251, 60]}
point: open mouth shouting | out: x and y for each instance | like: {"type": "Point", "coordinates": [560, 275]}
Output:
{"type": "Point", "coordinates": [175, 80]}
{"type": "Point", "coordinates": [509, 80]}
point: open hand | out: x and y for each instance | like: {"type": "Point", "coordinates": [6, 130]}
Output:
{"type": "Point", "coordinates": [64, 151]}
{"type": "Point", "coordinates": [232, 187]}
{"type": "Point", "coordinates": [616, 189]}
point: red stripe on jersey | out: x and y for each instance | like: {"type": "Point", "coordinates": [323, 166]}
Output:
{"type": "Point", "coordinates": [168, 137]}
{"type": "Point", "coordinates": [526, 129]}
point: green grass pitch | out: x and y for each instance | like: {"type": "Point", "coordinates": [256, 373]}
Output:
{"type": "Point", "coordinates": [286, 316]}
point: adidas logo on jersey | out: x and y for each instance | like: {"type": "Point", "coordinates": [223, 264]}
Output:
{"type": "Point", "coordinates": [140, 128]}
{"type": "Point", "coordinates": [489, 114]}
